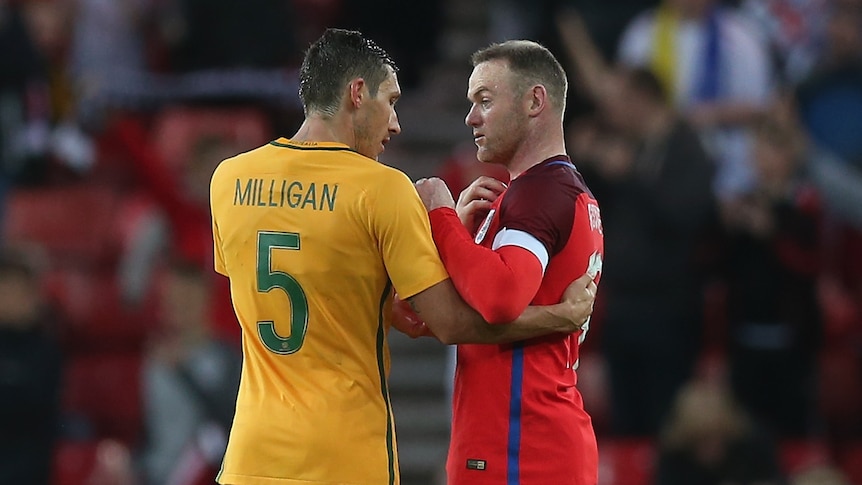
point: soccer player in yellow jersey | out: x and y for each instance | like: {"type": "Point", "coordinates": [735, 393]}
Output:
{"type": "Point", "coordinates": [316, 236]}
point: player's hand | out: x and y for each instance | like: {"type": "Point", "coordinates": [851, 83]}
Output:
{"type": "Point", "coordinates": [407, 321]}
{"type": "Point", "coordinates": [578, 301]}
{"type": "Point", "coordinates": [475, 201]}
{"type": "Point", "coordinates": [434, 193]}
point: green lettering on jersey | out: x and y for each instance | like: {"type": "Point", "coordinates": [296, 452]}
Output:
{"type": "Point", "coordinates": [310, 197]}
{"type": "Point", "coordinates": [241, 196]}
{"type": "Point", "coordinates": [294, 194]}
{"type": "Point", "coordinates": [328, 198]}
{"type": "Point", "coordinates": [269, 279]}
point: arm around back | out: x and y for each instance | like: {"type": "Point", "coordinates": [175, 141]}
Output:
{"type": "Point", "coordinates": [452, 321]}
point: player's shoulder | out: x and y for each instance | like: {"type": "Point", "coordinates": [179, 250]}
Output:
{"type": "Point", "coordinates": [548, 176]}
{"type": "Point", "coordinates": [237, 163]}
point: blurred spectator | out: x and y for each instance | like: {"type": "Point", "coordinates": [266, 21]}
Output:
{"type": "Point", "coordinates": [773, 262]}
{"type": "Point", "coordinates": [656, 205]}
{"type": "Point", "coordinates": [715, 67]}
{"type": "Point", "coordinates": [190, 383]}
{"type": "Point", "coordinates": [829, 103]}
{"type": "Point", "coordinates": [795, 30]}
{"type": "Point", "coordinates": [709, 440]}
{"type": "Point", "coordinates": [830, 100]}
{"type": "Point", "coordinates": [653, 180]}
{"type": "Point", "coordinates": [24, 102]}
{"type": "Point", "coordinates": [182, 195]}
{"type": "Point", "coordinates": [30, 374]}
{"type": "Point", "coordinates": [50, 24]}
{"type": "Point", "coordinates": [109, 47]}
{"type": "Point", "coordinates": [606, 21]}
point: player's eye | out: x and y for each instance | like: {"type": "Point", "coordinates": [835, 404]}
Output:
{"type": "Point", "coordinates": [485, 102]}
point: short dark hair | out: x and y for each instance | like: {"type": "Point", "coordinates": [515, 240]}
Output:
{"type": "Point", "coordinates": [532, 63]}
{"type": "Point", "coordinates": [332, 61]}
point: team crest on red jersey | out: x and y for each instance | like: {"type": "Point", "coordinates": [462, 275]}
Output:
{"type": "Point", "coordinates": [483, 229]}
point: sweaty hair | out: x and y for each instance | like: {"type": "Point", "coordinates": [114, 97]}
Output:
{"type": "Point", "coordinates": [332, 61]}
{"type": "Point", "coordinates": [531, 63]}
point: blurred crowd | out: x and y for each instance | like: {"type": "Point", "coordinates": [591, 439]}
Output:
{"type": "Point", "coordinates": [722, 139]}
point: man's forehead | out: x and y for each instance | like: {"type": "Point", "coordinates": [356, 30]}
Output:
{"type": "Point", "coordinates": [390, 83]}
{"type": "Point", "coordinates": [487, 76]}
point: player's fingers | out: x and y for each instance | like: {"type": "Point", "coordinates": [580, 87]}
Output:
{"type": "Point", "coordinates": [486, 193]}
{"type": "Point", "coordinates": [592, 288]}
{"type": "Point", "coordinates": [583, 282]}
{"type": "Point", "coordinates": [472, 208]}
{"type": "Point", "coordinates": [489, 183]}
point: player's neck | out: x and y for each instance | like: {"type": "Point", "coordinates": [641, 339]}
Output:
{"type": "Point", "coordinates": [535, 150]}
{"type": "Point", "coordinates": [319, 129]}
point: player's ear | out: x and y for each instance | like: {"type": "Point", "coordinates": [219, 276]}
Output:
{"type": "Point", "coordinates": [356, 92]}
{"type": "Point", "coordinates": [537, 99]}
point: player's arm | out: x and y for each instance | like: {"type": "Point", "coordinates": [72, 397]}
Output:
{"type": "Point", "coordinates": [498, 283]}
{"type": "Point", "coordinates": [453, 321]}
{"type": "Point", "coordinates": [417, 273]}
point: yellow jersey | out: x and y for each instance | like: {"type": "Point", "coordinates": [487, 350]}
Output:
{"type": "Point", "coordinates": [313, 237]}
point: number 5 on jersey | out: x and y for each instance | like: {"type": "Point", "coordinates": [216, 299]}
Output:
{"type": "Point", "coordinates": [267, 279]}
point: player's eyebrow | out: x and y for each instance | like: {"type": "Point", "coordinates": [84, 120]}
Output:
{"type": "Point", "coordinates": [477, 92]}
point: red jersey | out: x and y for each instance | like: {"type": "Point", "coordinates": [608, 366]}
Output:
{"type": "Point", "coordinates": [518, 418]}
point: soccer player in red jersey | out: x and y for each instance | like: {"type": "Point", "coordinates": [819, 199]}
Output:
{"type": "Point", "coordinates": [518, 418]}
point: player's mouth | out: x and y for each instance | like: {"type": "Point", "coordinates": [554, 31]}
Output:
{"type": "Point", "coordinates": [478, 138]}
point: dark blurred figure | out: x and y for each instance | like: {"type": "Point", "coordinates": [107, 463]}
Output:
{"type": "Point", "coordinates": [653, 177]}
{"type": "Point", "coordinates": [829, 103]}
{"type": "Point", "coordinates": [30, 374]}
{"type": "Point", "coordinates": [772, 263]}
{"type": "Point", "coordinates": [190, 382]}
{"type": "Point", "coordinates": [656, 206]}
{"type": "Point", "coordinates": [830, 100]}
{"type": "Point", "coordinates": [607, 20]}
{"type": "Point", "coordinates": [412, 39]}
{"type": "Point", "coordinates": [24, 102]}
{"type": "Point", "coordinates": [224, 34]}
{"type": "Point", "coordinates": [715, 67]}
{"type": "Point", "coordinates": [709, 440]}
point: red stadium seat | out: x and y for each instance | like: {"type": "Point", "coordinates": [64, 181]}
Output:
{"type": "Point", "coordinates": [73, 224]}
{"type": "Point", "coordinates": [176, 130]}
{"type": "Point", "coordinates": [73, 462]}
{"type": "Point", "coordinates": [626, 462]}
{"type": "Point", "coordinates": [105, 391]}
{"type": "Point", "coordinates": [850, 461]}
{"type": "Point", "coordinates": [93, 315]}
{"type": "Point", "coordinates": [798, 455]}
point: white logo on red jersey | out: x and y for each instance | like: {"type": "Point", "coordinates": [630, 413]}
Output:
{"type": "Point", "coordinates": [595, 218]}
{"type": "Point", "coordinates": [483, 230]}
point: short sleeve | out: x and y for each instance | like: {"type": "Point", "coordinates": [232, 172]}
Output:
{"type": "Point", "coordinates": [217, 250]}
{"type": "Point", "coordinates": [400, 223]}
